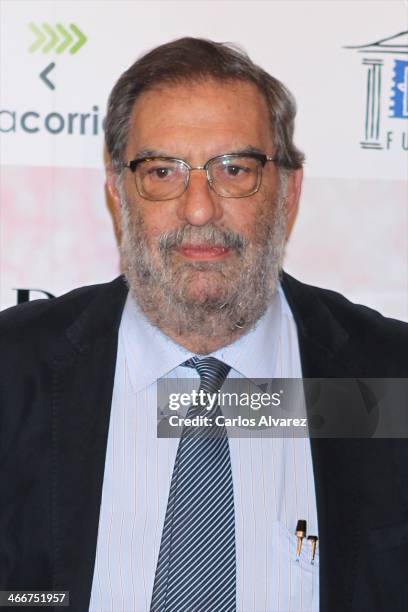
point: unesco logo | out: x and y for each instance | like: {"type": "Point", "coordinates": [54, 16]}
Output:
{"type": "Point", "coordinates": [386, 92]}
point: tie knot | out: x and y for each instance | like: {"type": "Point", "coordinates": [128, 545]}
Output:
{"type": "Point", "coordinates": [212, 371]}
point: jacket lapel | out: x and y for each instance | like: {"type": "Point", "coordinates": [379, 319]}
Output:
{"type": "Point", "coordinates": [82, 393]}
{"type": "Point", "coordinates": [323, 350]}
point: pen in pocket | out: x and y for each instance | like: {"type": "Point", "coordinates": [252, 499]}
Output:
{"type": "Point", "coordinates": [300, 535]}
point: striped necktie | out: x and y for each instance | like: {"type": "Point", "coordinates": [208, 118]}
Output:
{"type": "Point", "coordinates": [196, 568]}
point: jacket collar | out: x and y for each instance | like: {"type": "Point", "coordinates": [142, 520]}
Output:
{"type": "Point", "coordinates": [101, 318]}
{"type": "Point", "coordinates": [321, 335]}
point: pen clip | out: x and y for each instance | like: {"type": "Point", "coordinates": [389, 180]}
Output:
{"type": "Point", "coordinates": [313, 542]}
{"type": "Point", "coordinates": [300, 534]}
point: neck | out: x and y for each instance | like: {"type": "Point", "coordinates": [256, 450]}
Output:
{"type": "Point", "coordinates": [203, 344]}
{"type": "Point", "coordinates": [201, 331]}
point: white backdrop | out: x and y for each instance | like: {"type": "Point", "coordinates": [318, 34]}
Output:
{"type": "Point", "coordinates": [60, 59]}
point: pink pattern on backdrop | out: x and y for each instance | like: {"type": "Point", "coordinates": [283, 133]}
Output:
{"type": "Point", "coordinates": [56, 231]}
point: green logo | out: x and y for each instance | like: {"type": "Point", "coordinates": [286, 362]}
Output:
{"type": "Point", "coordinates": [57, 38]}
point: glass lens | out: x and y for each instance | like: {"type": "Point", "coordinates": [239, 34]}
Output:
{"type": "Point", "coordinates": [235, 176]}
{"type": "Point", "coordinates": [161, 178]}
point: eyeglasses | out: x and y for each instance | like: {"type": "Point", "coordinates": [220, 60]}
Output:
{"type": "Point", "coordinates": [230, 176]}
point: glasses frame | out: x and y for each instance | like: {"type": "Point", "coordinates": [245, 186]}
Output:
{"type": "Point", "coordinates": [262, 157]}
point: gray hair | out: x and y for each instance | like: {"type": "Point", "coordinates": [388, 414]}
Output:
{"type": "Point", "coordinates": [195, 59]}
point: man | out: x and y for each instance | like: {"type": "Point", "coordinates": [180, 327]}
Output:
{"type": "Point", "coordinates": [205, 181]}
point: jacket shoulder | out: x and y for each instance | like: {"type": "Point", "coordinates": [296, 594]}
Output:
{"type": "Point", "coordinates": [352, 315]}
{"type": "Point", "coordinates": [363, 318]}
{"type": "Point", "coordinates": [376, 345]}
{"type": "Point", "coordinates": [38, 320]}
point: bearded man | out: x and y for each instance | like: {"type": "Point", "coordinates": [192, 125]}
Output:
{"type": "Point", "coordinates": [205, 181]}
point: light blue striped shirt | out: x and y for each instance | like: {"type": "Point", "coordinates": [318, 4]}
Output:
{"type": "Point", "coordinates": [272, 477]}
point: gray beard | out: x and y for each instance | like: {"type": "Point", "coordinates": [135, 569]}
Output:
{"type": "Point", "coordinates": [244, 289]}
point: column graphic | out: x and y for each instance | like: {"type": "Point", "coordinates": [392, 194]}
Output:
{"type": "Point", "coordinates": [373, 104]}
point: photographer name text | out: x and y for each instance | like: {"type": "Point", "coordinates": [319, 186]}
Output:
{"type": "Point", "coordinates": [238, 421]}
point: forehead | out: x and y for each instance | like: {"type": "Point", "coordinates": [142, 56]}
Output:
{"type": "Point", "coordinates": [200, 118]}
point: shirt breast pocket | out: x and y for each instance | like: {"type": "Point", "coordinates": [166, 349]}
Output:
{"type": "Point", "coordinates": [293, 583]}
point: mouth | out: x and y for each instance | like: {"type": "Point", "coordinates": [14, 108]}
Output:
{"type": "Point", "coordinates": [203, 252]}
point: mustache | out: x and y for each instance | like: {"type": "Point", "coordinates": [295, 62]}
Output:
{"type": "Point", "coordinates": [208, 235]}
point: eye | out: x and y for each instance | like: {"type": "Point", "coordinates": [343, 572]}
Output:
{"type": "Point", "coordinates": [233, 170]}
{"type": "Point", "coordinates": [160, 172]}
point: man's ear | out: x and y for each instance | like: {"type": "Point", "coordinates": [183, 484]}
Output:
{"type": "Point", "coordinates": [113, 195]}
{"type": "Point", "coordinates": [292, 198]}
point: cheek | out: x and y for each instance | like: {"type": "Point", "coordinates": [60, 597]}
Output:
{"type": "Point", "coordinates": [249, 217]}
{"type": "Point", "coordinates": [155, 219]}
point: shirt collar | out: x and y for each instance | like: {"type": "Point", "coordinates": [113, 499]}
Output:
{"type": "Point", "coordinates": [151, 354]}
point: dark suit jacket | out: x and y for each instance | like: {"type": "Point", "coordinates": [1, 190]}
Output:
{"type": "Point", "coordinates": [57, 370]}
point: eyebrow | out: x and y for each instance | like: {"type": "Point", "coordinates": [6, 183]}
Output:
{"type": "Point", "coordinates": [161, 153]}
{"type": "Point", "coordinates": [249, 149]}
{"type": "Point", "coordinates": [150, 153]}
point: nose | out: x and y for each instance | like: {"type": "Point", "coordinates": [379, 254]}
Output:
{"type": "Point", "coordinates": [199, 204]}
